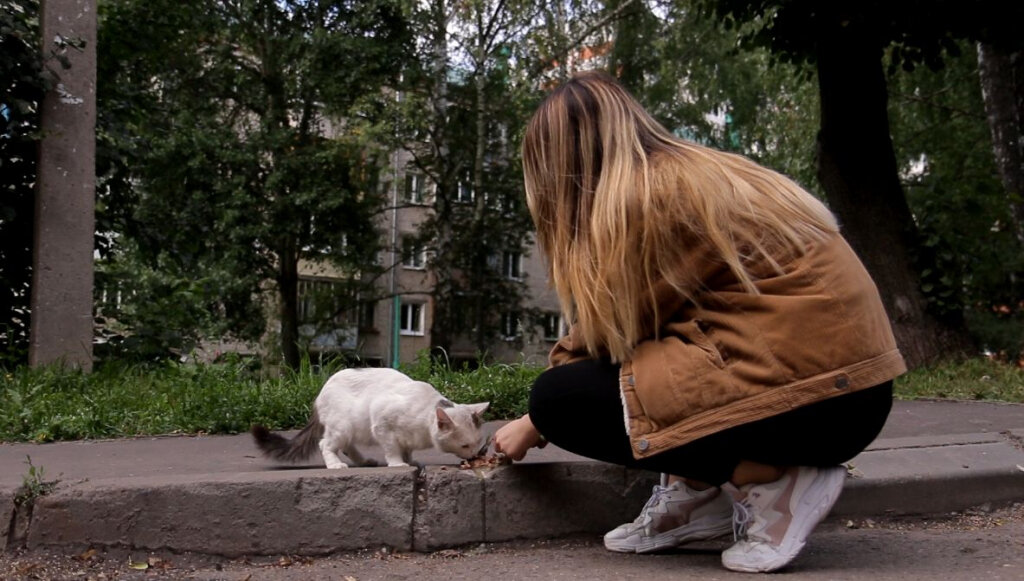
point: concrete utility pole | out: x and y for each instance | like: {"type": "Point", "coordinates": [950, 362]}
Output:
{"type": "Point", "coordinates": [62, 263]}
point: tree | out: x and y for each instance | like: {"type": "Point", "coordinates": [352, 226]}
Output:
{"type": "Point", "coordinates": [943, 142]}
{"type": "Point", "coordinates": [1002, 85]}
{"type": "Point", "coordinates": [460, 107]}
{"type": "Point", "coordinates": [235, 147]}
{"type": "Point", "coordinates": [856, 163]}
{"type": "Point", "coordinates": [686, 69]}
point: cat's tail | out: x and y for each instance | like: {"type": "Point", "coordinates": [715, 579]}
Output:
{"type": "Point", "coordinates": [296, 449]}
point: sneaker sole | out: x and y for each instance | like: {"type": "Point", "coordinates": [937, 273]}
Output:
{"type": "Point", "coordinates": [701, 530]}
{"type": "Point", "coordinates": [817, 500]}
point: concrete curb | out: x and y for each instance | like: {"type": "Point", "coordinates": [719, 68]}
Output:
{"type": "Point", "coordinates": [255, 509]}
{"type": "Point", "coordinates": [933, 479]}
{"type": "Point", "coordinates": [317, 512]}
{"type": "Point", "coordinates": [320, 512]}
{"type": "Point", "coordinates": [7, 514]}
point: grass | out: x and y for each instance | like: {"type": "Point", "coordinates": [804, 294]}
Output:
{"type": "Point", "coordinates": [117, 401]}
{"type": "Point", "coordinates": [114, 401]}
{"type": "Point", "coordinates": [973, 379]}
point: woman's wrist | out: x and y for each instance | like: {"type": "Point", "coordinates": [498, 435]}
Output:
{"type": "Point", "coordinates": [539, 440]}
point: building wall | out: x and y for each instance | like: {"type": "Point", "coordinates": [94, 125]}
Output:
{"type": "Point", "coordinates": [376, 342]}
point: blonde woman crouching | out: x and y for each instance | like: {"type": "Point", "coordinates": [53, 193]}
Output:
{"type": "Point", "coordinates": [723, 333]}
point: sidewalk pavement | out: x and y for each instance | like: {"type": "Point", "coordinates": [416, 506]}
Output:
{"type": "Point", "coordinates": [216, 495]}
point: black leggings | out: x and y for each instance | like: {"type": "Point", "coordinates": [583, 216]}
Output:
{"type": "Point", "coordinates": [578, 408]}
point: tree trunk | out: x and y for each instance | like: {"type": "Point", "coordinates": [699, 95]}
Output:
{"type": "Point", "coordinates": [288, 296]}
{"type": "Point", "coordinates": [858, 171]}
{"type": "Point", "coordinates": [61, 327]}
{"type": "Point", "coordinates": [480, 308]}
{"type": "Point", "coordinates": [1002, 89]}
{"type": "Point", "coordinates": [441, 332]}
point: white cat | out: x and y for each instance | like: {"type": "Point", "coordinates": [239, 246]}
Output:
{"type": "Point", "coordinates": [382, 405]}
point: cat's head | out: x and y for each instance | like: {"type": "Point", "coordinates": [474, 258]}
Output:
{"type": "Point", "coordinates": [457, 429]}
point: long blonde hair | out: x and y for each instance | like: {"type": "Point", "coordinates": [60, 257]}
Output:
{"type": "Point", "coordinates": [618, 203]}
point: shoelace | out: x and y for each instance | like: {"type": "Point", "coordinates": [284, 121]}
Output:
{"type": "Point", "coordinates": [742, 515]}
{"type": "Point", "coordinates": [656, 495]}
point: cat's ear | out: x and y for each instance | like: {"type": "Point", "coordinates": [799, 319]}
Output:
{"type": "Point", "coordinates": [444, 423]}
{"type": "Point", "coordinates": [478, 409]}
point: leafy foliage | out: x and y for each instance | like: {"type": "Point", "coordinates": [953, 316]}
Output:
{"type": "Point", "coordinates": [23, 80]}
{"type": "Point", "coordinates": [686, 68]}
{"type": "Point", "coordinates": [960, 207]}
{"type": "Point", "coordinates": [919, 31]}
{"type": "Point", "coordinates": [224, 161]}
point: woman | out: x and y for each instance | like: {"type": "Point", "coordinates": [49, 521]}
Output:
{"type": "Point", "coordinates": [723, 333]}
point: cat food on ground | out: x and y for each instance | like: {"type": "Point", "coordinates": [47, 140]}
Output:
{"type": "Point", "coordinates": [490, 461]}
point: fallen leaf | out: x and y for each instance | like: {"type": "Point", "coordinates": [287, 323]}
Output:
{"type": "Point", "coordinates": [86, 556]}
{"type": "Point", "coordinates": [26, 569]}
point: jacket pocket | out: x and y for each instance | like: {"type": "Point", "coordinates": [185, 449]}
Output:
{"type": "Point", "coordinates": [679, 375]}
{"type": "Point", "coordinates": [692, 332]}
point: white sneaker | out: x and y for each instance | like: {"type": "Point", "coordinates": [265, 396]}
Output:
{"type": "Point", "coordinates": [673, 516]}
{"type": "Point", "coordinates": [774, 519]}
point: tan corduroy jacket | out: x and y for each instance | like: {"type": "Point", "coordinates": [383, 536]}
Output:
{"type": "Point", "coordinates": [815, 331]}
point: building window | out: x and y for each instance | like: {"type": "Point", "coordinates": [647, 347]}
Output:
{"type": "Point", "coordinates": [317, 300]}
{"type": "Point", "coordinates": [512, 264]}
{"type": "Point", "coordinates": [411, 316]}
{"type": "Point", "coordinates": [553, 329]}
{"type": "Point", "coordinates": [413, 254]}
{"type": "Point", "coordinates": [465, 193]}
{"type": "Point", "coordinates": [415, 188]}
{"type": "Point", "coordinates": [367, 315]}
{"type": "Point", "coordinates": [510, 325]}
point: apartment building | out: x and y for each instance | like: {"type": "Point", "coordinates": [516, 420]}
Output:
{"type": "Point", "coordinates": [397, 328]}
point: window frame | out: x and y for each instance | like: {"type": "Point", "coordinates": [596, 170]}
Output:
{"type": "Point", "coordinates": [413, 255]}
{"type": "Point", "coordinates": [411, 321]}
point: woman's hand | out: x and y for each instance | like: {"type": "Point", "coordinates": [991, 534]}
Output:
{"type": "Point", "coordinates": [516, 437]}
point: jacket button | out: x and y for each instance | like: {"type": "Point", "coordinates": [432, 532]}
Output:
{"type": "Point", "coordinates": [842, 382]}
{"type": "Point", "coordinates": [643, 445]}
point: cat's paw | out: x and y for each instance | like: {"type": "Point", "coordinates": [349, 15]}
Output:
{"type": "Point", "coordinates": [397, 464]}
{"type": "Point", "coordinates": [335, 465]}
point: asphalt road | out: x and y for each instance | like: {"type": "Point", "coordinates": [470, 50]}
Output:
{"type": "Point", "coordinates": [979, 546]}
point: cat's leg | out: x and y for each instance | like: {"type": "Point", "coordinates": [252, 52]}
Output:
{"type": "Point", "coordinates": [394, 454]}
{"type": "Point", "coordinates": [407, 458]}
{"type": "Point", "coordinates": [329, 446]}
